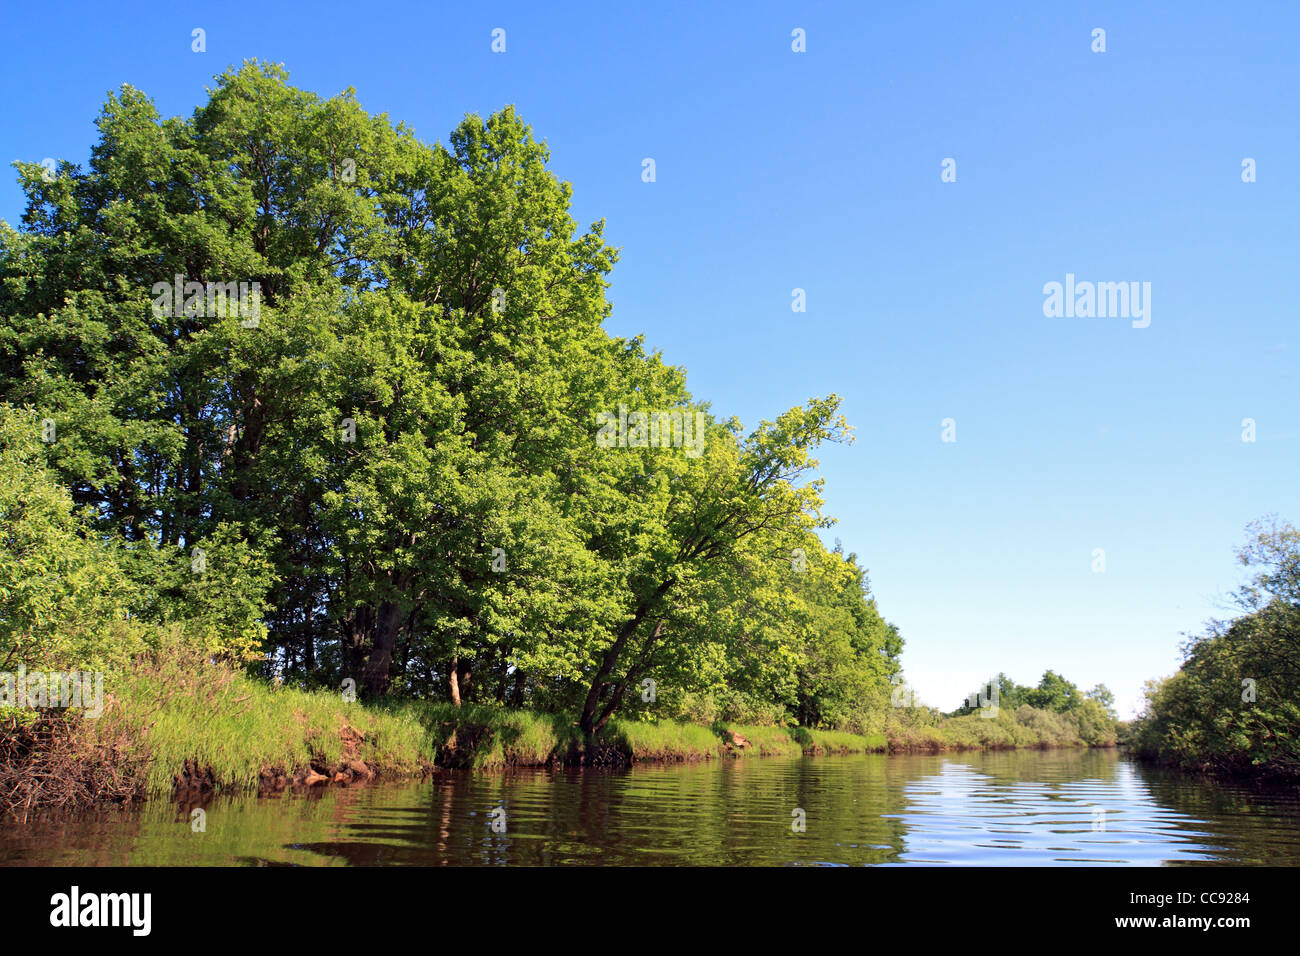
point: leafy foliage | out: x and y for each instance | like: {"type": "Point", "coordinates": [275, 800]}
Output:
{"type": "Point", "coordinates": [390, 468]}
{"type": "Point", "coordinates": [1232, 706]}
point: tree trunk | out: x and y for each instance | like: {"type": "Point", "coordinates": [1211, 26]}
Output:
{"type": "Point", "coordinates": [587, 722]}
{"type": "Point", "coordinates": [388, 623]}
{"type": "Point", "coordinates": [454, 680]}
{"type": "Point", "coordinates": [633, 672]}
{"type": "Point", "coordinates": [501, 683]}
{"type": "Point", "coordinates": [463, 677]}
{"type": "Point", "coordinates": [354, 643]}
{"type": "Point", "coordinates": [517, 695]}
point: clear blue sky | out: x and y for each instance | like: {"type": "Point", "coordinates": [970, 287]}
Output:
{"type": "Point", "coordinates": [821, 170]}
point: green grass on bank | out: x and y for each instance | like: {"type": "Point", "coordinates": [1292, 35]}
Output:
{"type": "Point", "coordinates": [663, 740]}
{"type": "Point", "coordinates": [766, 741]}
{"type": "Point", "coordinates": [838, 741]}
{"type": "Point", "coordinates": [502, 736]}
{"type": "Point", "coordinates": [237, 726]}
{"type": "Point", "coordinates": [1009, 728]}
{"type": "Point", "coordinates": [487, 737]}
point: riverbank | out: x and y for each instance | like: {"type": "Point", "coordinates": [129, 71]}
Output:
{"type": "Point", "coordinates": [482, 737]}
{"type": "Point", "coordinates": [171, 728]}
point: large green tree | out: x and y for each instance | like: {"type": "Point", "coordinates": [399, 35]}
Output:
{"type": "Point", "coordinates": [400, 417]}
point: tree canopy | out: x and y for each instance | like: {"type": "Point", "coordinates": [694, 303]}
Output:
{"type": "Point", "coordinates": [328, 396]}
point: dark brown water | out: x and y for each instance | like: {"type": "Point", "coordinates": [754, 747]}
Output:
{"type": "Point", "coordinates": [1026, 808]}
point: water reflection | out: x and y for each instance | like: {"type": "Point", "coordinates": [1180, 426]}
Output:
{"type": "Point", "coordinates": [970, 814]}
{"type": "Point", "coordinates": [1021, 808]}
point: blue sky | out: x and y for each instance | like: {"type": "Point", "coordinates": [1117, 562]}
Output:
{"type": "Point", "coordinates": [821, 170]}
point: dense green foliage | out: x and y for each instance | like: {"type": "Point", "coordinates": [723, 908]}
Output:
{"type": "Point", "coordinates": [1002, 714]}
{"type": "Point", "coordinates": [1233, 706]}
{"type": "Point", "coordinates": [1055, 710]}
{"type": "Point", "coordinates": [383, 465]}
{"type": "Point", "coordinates": [73, 598]}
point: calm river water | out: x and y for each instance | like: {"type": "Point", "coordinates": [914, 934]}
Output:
{"type": "Point", "coordinates": [1020, 808]}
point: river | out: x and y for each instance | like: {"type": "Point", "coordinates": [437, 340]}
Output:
{"type": "Point", "coordinates": [1035, 808]}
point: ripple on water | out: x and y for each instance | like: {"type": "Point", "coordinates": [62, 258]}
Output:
{"type": "Point", "coordinates": [1033, 808]}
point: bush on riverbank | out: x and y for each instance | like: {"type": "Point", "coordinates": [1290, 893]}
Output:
{"type": "Point", "coordinates": [1233, 708]}
{"type": "Point", "coordinates": [925, 730]}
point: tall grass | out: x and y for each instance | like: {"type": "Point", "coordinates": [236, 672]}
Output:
{"type": "Point", "coordinates": [235, 726]}
{"type": "Point", "coordinates": [488, 737]}
{"type": "Point", "coordinates": [180, 712]}
{"type": "Point", "coordinates": [662, 740]}
{"type": "Point", "coordinates": [838, 741]}
{"type": "Point", "coordinates": [1023, 727]}
{"type": "Point", "coordinates": [763, 741]}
